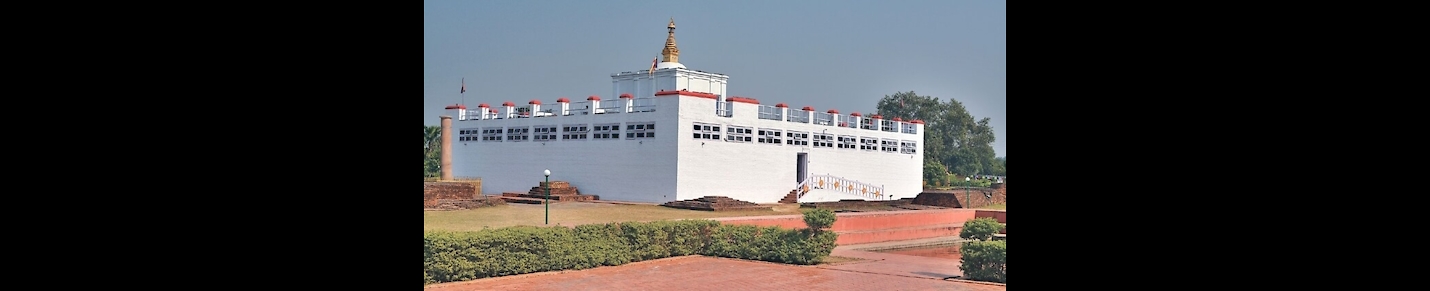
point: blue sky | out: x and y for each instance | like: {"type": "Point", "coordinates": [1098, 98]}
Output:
{"type": "Point", "coordinates": [826, 54]}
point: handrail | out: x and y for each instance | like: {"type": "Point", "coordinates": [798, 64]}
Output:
{"type": "Point", "coordinates": [840, 184]}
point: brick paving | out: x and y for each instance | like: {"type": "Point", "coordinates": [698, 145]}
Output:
{"type": "Point", "coordinates": [693, 273]}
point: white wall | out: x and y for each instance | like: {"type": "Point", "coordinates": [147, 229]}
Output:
{"type": "Point", "coordinates": [641, 170]}
{"type": "Point", "coordinates": [764, 173]}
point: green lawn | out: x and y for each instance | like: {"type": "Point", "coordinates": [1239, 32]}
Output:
{"type": "Point", "coordinates": [569, 213]}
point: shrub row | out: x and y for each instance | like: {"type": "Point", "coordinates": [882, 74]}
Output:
{"type": "Point", "coordinates": [984, 259]}
{"type": "Point", "coordinates": [461, 256]}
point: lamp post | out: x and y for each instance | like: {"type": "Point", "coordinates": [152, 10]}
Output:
{"type": "Point", "coordinates": [966, 195]}
{"type": "Point", "coordinates": [548, 196]}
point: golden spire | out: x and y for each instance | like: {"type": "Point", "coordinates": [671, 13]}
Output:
{"type": "Point", "coordinates": [670, 53]}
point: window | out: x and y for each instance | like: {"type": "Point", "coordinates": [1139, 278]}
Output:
{"type": "Point", "coordinates": [575, 131]}
{"type": "Point", "coordinates": [707, 131]}
{"type": "Point", "coordinates": [848, 142]}
{"type": "Point", "coordinates": [606, 131]}
{"type": "Point", "coordinates": [868, 143]}
{"type": "Point", "coordinates": [518, 133]}
{"type": "Point", "coordinates": [468, 134]}
{"type": "Point", "coordinates": [910, 128]}
{"type": "Point", "coordinates": [771, 136]}
{"type": "Point", "coordinates": [796, 138]}
{"type": "Point", "coordinates": [491, 134]}
{"type": "Point", "coordinates": [889, 146]}
{"type": "Point", "coordinates": [823, 140]}
{"type": "Point", "coordinates": [640, 130]}
{"type": "Point", "coordinates": [888, 125]}
{"type": "Point", "coordinates": [738, 134]}
{"type": "Point", "coordinates": [908, 147]}
{"type": "Point", "coordinates": [545, 133]}
{"type": "Point", "coordinates": [867, 123]}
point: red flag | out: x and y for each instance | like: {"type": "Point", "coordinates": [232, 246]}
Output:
{"type": "Point", "coordinates": [464, 85]}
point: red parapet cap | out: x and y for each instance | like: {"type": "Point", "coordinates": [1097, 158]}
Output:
{"type": "Point", "coordinates": [687, 93]}
{"type": "Point", "coordinates": [743, 100]}
{"type": "Point", "coordinates": [563, 100]}
{"type": "Point", "coordinates": [534, 101]}
{"type": "Point", "coordinates": [594, 97]}
{"type": "Point", "coordinates": [508, 104]}
{"type": "Point", "coordinates": [458, 106]}
{"type": "Point", "coordinates": [807, 108]}
{"type": "Point", "coordinates": [876, 116]}
{"type": "Point", "coordinates": [483, 105]}
{"type": "Point", "coordinates": [916, 121]}
{"type": "Point", "coordinates": [627, 96]}
{"type": "Point", "coordinates": [832, 111]}
{"type": "Point", "coordinates": [855, 114]}
{"type": "Point", "coordinates": [781, 105]}
{"type": "Point", "coordinates": [898, 119]}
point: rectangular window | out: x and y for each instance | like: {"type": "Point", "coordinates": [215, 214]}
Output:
{"type": "Point", "coordinates": [545, 133]}
{"type": "Point", "coordinates": [889, 146]}
{"type": "Point", "coordinates": [797, 138]}
{"type": "Point", "coordinates": [635, 130]}
{"type": "Point", "coordinates": [707, 131]}
{"type": "Point", "coordinates": [908, 147]}
{"type": "Point", "coordinates": [518, 133]}
{"type": "Point", "coordinates": [491, 134]}
{"type": "Point", "coordinates": [868, 143]}
{"type": "Point", "coordinates": [910, 128]}
{"type": "Point", "coordinates": [848, 142]}
{"type": "Point", "coordinates": [469, 134]}
{"type": "Point", "coordinates": [575, 131]}
{"type": "Point", "coordinates": [823, 140]}
{"type": "Point", "coordinates": [888, 125]}
{"type": "Point", "coordinates": [770, 136]}
{"type": "Point", "coordinates": [867, 123]}
{"type": "Point", "coordinates": [606, 131]}
{"type": "Point", "coordinates": [738, 134]}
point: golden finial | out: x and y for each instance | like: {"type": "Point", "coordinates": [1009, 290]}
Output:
{"type": "Point", "coordinates": [670, 53]}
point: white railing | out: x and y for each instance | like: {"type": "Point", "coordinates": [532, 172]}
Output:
{"type": "Point", "coordinates": [608, 107]}
{"type": "Point", "coordinates": [799, 116]}
{"type": "Point", "coordinates": [823, 118]}
{"type": "Point", "coordinates": [722, 109]}
{"type": "Point", "coordinates": [770, 112]}
{"type": "Point", "coordinates": [644, 105]}
{"type": "Point", "coordinates": [842, 185]}
{"type": "Point", "coordinates": [846, 121]}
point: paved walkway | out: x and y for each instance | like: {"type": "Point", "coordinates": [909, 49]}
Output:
{"type": "Point", "coordinates": [879, 271]}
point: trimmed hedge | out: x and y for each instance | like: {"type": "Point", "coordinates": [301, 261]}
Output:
{"type": "Point", "coordinates": [985, 261]}
{"type": "Point", "coordinates": [462, 256]}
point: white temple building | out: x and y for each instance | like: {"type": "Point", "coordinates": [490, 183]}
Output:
{"type": "Point", "coordinates": [672, 133]}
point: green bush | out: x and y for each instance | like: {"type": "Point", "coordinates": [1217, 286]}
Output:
{"type": "Point", "coordinates": [818, 218]}
{"type": "Point", "coordinates": [982, 228]}
{"type": "Point", "coordinates": [985, 261]}
{"type": "Point", "coordinates": [461, 256]}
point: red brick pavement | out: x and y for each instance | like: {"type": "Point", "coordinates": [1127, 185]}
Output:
{"type": "Point", "coordinates": [692, 273]}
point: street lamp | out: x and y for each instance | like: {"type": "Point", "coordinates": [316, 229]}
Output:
{"type": "Point", "coordinates": [548, 196]}
{"type": "Point", "coordinates": [967, 197]}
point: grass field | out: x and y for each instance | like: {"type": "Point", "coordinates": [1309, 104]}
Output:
{"type": "Point", "coordinates": [570, 213]}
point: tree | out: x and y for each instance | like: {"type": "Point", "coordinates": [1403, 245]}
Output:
{"type": "Point", "coordinates": [952, 136]}
{"type": "Point", "coordinates": [432, 146]}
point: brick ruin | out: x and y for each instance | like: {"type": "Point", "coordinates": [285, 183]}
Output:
{"type": "Point", "coordinates": [956, 198]}
{"type": "Point", "coordinates": [561, 191]}
{"type": "Point", "coordinates": [715, 203]}
{"type": "Point", "coordinates": [453, 196]}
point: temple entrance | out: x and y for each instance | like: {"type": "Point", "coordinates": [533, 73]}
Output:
{"type": "Point", "coordinates": [801, 165]}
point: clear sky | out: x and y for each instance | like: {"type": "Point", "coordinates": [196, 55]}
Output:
{"type": "Point", "coordinates": [826, 54]}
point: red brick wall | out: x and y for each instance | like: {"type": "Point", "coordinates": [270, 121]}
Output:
{"type": "Point", "coordinates": [869, 227]}
{"type": "Point", "coordinates": [446, 190]}
{"type": "Point", "coordinates": [955, 198]}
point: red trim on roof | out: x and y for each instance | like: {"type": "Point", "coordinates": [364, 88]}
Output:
{"type": "Point", "coordinates": [832, 111]}
{"type": "Point", "coordinates": [508, 103]}
{"type": "Point", "coordinates": [917, 121]}
{"type": "Point", "coordinates": [855, 114]}
{"type": "Point", "coordinates": [458, 106]}
{"type": "Point", "coordinates": [781, 105]}
{"type": "Point", "coordinates": [876, 116]}
{"type": "Point", "coordinates": [594, 97]}
{"type": "Point", "coordinates": [627, 96]}
{"type": "Point", "coordinates": [563, 100]}
{"type": "Point", "coordinates": [483, 105]}
{"type": "Point", "coordinates": [743, 100]}
{"type": "Point", "coordinates": [807, 108]}
{"type": "Point", "coordinates": [534, 101]}
{"type": "Point", "coordinates": [687, 93]}
{"type": "Point", "coordinates": [898, 119]}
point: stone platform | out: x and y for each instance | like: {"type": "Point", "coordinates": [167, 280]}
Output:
{"type": "Point", "coordinates": [561, 191]}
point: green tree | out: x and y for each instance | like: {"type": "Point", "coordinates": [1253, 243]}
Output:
{"type": "Point", "coordinates": [952, 136]}
{"type": "Point", "coordinates": [432, 146]}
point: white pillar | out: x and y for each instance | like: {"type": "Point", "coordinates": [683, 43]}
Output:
{"type": "Point", "coordinates": [565, 105]}
{"type": "Point", "coordinates": [630, 102]}
{"type": "Point", "coordinates": [510, 110]}
{"type": "Point", "coordinates": [595, 104]}
{"type": "Point", "coordinates": [878, 122]}
{"type": "Point", "coordinates": [783, 110]}
{"type": "Point", "coordinates": [808, 114]}
{"type": "Point", "coordinates": [858, 120]}
{"type": "Point", "coordinates": [535, 107]}
{"type": "Point", "coordinates": [458, 110]}
{"type": "Point", "coordinates": [484, 110]}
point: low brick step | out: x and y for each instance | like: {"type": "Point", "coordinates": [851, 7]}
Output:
{"type": "Point", "coordinates": [525, 200]}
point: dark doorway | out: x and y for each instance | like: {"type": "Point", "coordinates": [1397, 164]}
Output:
{"type": "Point", "coordinates": [801, 164]}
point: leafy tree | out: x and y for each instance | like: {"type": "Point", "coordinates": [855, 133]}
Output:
{"type": "Point", "coordinates": [952, 136]}
{"type": "Point", "coordinates": [432, 146]}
